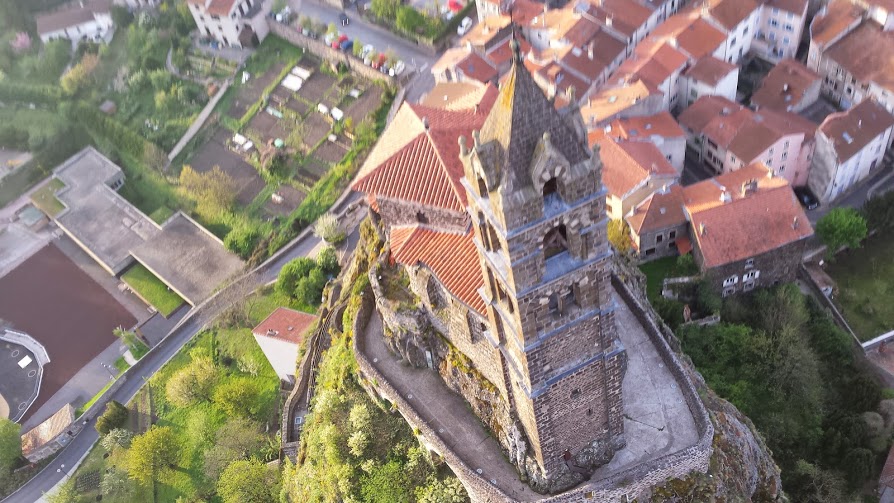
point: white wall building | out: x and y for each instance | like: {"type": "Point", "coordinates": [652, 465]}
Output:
{"type": "Point", "coordinates": [89, 20]}
{"type": "Point", "coordinates": [279, 336]}
{"type": "Point", "coordinates": [235, 23]}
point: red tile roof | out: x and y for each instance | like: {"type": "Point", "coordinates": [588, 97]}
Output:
{"type": "Point", "coordinates": [662, 124]}
{"type": "Point", "coordinates": [626, 165]}
{"type": "Point", "coordinates": [747, 225]}
{"type": "Point", "coordinates": [785, 85]}
{"type": "Point", "coordinates": [70, 15]}
{"type": "Point", "coordinates": [477, 68]}
{"type": "Point", "coordinates": [216, 7]}
{"type": "Point", "coordinates": [710, 70]}
{"type": "Point", "coordinates": [452, 258]}
{"type": "Point", "coordinates": [610, 101]}
{"type": "Point", "coordinates": [661, 210]}
{"type": "Point", "coordinates": [866, 65]}
{"type": "Point", "coordinates": [285, 324]}
{"type": "Point", "coordinates": [798, 7]}
{"type": "Point", "coordinates": [421, 165]}
{"type": "Point", "coordinates": [653, 61]}
{"type": "Point", "coordinates": [840, 16]}
{"type": "Point", "coordinates": [730, 13]}
{"type": "Point", "coordinates": [694, 35]}
{"type": "Point", "coordinates": [853, 129]}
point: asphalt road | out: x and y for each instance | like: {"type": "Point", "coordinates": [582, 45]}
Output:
{"type": "Point", "coordinates": [164, 351]}
{"type": "Point", "coordinates": [417, 60]}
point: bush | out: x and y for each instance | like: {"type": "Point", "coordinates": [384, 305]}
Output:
{"type": "Point", "coordinates": [328, 229]}
{"type": "Point", "coordinates": [11, 92]}
{"type": "Point", "coordinates": [619, 235]}
{"type": "Point", "coordinates": [291, 273]}
{"type": "Point", "coordinates": [327, 260]}
{"type": "Point", "coordinates": [242, 240]}
{"type": "Point", "coordinates": [246, 481]}
{"type": "Point", "coordinates": [10, 445]}
{"type": "Point", "coordinates": [80, 75]}
{"type": "Point", "coordinates": [707, 300]}
{"type": "Point", "coordinates": [409, 20]}
{"type": "Point", "coordinates": [115, 416]}
{"type": "Point", "coordinates": [191, 383]}
{"type": "Point", "coordinates": [239, 397]}
{"type": "Point", "coordinates": [686, 265]}
{"type": "Point", "coordinates": [879, 211]}
{"type": "Point", "coordinates": [309, 290]}
{"type": "Point", "coordinates": [118, 437]}
{"type": "Point", "coordinates": [841, 227]}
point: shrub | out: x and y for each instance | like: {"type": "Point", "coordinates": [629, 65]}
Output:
{"type": "Point", "coordinates": [309, 290]}
{"type": "Point", "coordinates": [291, 273]}
{"type": "Point", "coordinates": [242, 240]}
{"type": "Point", "coordinates": [239, 397]}
{"type": "Point", "coordinates": [117, 437]}
{"type": "Point", "coordinates": [191, 383]}
{"type": "Point", "coordinates": [80, 75]}
{"type": "Point", "coordinates": [328, 229]}
{"type": "Point", "coordinates": [841, 227]}
{"type": "Point", "coordinates": [327, 260]}
{"type": "Point", "coordinates": [114, 416]}
{"type": "Point", "coordinates": [409, 19]}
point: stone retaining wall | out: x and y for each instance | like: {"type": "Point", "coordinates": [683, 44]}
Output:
{"type": "Point", "coordinates": [631, 483]}
{"type": "Point", "coordinates": [327, 53]}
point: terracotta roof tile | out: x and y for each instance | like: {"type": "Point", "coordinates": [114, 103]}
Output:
{"type": "Point", "coordinates": [653, 61]}
{"type": "Point", "coordinates": [502, 52]}
{"type": "Point", "coordinates": [853, 129]}
{"type": "Point", "coordinates": [710, 70]}
{"type": "Point", "coordinates": [486, 30]}
{"type": "Point", "coordinates": [785, 85]}
{"type": "Point", "coordinates": [216, 7]}
{"type": "Point", "coordinates": [730, 13]}
{"type": "Point", "coordinates": [452, 258]}
{"type": "Point", "coordinates": [610, 101]}
{"type": "Point", "coordinates": [285, 324]}
{"type": "Point", "coordinates": [661, 210]}
{"type": "Point", "coordinates": [866, 65]}
{"type": "Point", "coordinates": [626, 165]}
{"type": "Point", "coordinates": [749, 224]}
{"type": "Point", "coordinates": [840, 15]}
{"type": "Point", "coordinates": [694, 35]}
{"type": "Point", "coordinates": [661, 124]}
{"type": "Point", "coordinates": [419, 165]}
{"type": "Point", "coordinates": [794, 6]}
{"type": "Point", "coordinates": [475, 67]}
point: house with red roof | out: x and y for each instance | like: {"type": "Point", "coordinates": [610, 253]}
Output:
{"type": "Point", "coordinates": [745, 228]}
{"type": "Point", "coordinates": [234, 23]}
{"type": "Point", "coordinates": [280, 335]}
{"type": "Point", "coordinates": [631, 171]}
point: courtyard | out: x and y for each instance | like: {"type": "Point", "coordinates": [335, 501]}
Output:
{"type": "Point", "coordinates": [59, 305]}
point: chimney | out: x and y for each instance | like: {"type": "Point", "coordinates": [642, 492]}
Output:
{"type": "Point", "coordinates": [795, 223]}
{"type": "Point", "coordinates": [608, 21]}
{"type": "Point", "coordinates": [749, 187]}
{"type": "Point", "coordinates": [725, 197]}
{"type": "Point", "coordinates": [590, 50]}
{"type": "Point", "coordinates": [425, 123]}
{"type": "Point", "coordinates": [859, 122]}
{"type": "Point", "coordinates": [477, 108]}
{"type": "Point", "coordinates": [725, 111]}
{"type": "Point", "coordinates": [701, 229]}
{"type": "Point", "coordinates": [785, 87]}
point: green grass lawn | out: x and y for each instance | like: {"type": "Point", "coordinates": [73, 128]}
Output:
{"type": "Point", "coordinates": [195, 426]}
{"type": "Point", "coordinates": [45, 198]}
{"type": "Point", "coordinates": [865, 278]}
{"type": "Point", "coordinates": [121, 364]}
{"type": "Point", "coordinates": [80, 410]}
{"type": "Point", "coordinates": [656, 271]}
{"type": "Point", "coordinates": [152, 290]}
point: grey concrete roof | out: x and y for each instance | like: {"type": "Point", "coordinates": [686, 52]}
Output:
{"type": "Point", "coordinates": [188, 258]}
{"type": "Point", "coordinates": [96, 216]}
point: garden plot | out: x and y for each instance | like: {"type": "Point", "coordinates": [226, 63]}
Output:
{"type": "Point", "coordinates": [333, 152]}
{"type": "Point", "coordinates": [215, 153]}
{"type": "Point", "coordinates": [317, 87]}
{"type": "Point", "coordinates": [365, 105]}
{"type": "Point", "coordinates": [315, 129]}
{"type": "Point", "coordinates": [284, 201]}
{"type": "Point", "coordinates": [267, 126]}
{"type": "Point", "coordinates": [251, 91]}
{"type": "Point", "coordinates": [311, 171]}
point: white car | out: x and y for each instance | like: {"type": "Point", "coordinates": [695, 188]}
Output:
{"type": "Point", "coordinates": [397, 69]}
{"type": "Point", "coordinates": [464, 26]}
{"type": "Point", "coordinates": [367, 50]}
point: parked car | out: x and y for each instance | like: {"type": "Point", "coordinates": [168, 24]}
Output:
{"type": "Point", "coordinates": [345, 20]}
{"type": "Point", "coordinates": [330, 37]}
{"type": "Point", "coordinates": [379, 62]}
{"type": "Point", "coordinates": [806, 198]}
{"type": "Point", "coordinates": [337, 42]}
{"type": "Point", "coordinates": [366, 52]}
{"type": "Point", "coordinates": [464, 26]}
{"type": "Point", "coordinates": [347, 45]}
{"type": "Point", "coordinates": [397, 69]}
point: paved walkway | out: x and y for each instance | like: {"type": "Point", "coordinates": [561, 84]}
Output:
{"type": "Point", "coordinates": [448, 414]}
{"type": "Point", "coordinates": [657, 420]}
{"type": "Point", "coordinates": [199, 122]}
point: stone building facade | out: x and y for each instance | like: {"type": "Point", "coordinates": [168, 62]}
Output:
{"type": "Point", "coordinates": [522, 291]}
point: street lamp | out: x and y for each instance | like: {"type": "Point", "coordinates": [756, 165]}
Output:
{"type": "Point", "coordinates": [109, 368]}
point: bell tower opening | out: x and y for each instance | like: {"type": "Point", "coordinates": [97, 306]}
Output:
{"type": "Point", "coordinates": [555, 241]}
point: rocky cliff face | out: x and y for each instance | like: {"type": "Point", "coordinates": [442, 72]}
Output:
{"type": "Point", "coordinates": [742, 467]}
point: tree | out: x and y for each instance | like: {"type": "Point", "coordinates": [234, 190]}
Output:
{"type": "Point", "coordinates": [328, 229]}
{"type": "Point", "coordinates": [879, 211]}
{"type": "Point", "coordinates": [246, 481]}
{"type": "Point", "coordinates": [309, 290]}
{"type": "Point", "coordinates": [291, 273]}
{"type": "Point", "coordinates": [449, 490]}
{"type": "Point", "coordinates": [385, 9]}
{"type": "Point", "coordinates": [114, 482]}
{"type": "Point", "coordinates": [121, 16]}
{"type": "Point", "coordinates": [117, 437]}
{"type": "Point", "coordinates": [129, 338]}
{"type": "Point", "coordinates": [409, 20]}
{"type": "Point", "coordinates": [239, 397]}
{"type": "Point", "coordinates": [80, 75]}
{"type": "Point", "coordinates": [841, 227]}
{"type": "Point", "coordinates": [386, 484]}
{"type": "Point", "coordinates": [619, 235]}
{"type": "Point", "coordinates": [113, 417]}
{"type": "Point", "coordinates": [859, 465]}
{"type": "Point", "coordinates": [191, 383]}
{"type": "Point", "coordinates": [327, 260]}
{"type": "Point", "coordinates": [65, 493]}
{"type": "Point", "coordinates": [279, 5]}
{"type": "Point", "coordinates": [237, 439]}
{"type": "Point", "coordinates": [10, 445]}
{"type": "Point", "coordinates": [214, 190]}
{"type": "Point", "coordinates": [150, 453]}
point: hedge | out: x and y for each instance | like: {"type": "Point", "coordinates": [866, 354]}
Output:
{"type": "Point", "coordinates": [115, 133]}
{"type": "Point", "coordinates": [11, 92]}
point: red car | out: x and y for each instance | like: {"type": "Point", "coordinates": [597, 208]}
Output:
{"type": "Point", "coordinates": [378, 62]}
{"type": "Point", "coordinates": [337, 42]}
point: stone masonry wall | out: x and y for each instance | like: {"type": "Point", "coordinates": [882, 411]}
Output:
{"type": "Point", "coordinates": [775, 266]}
{"type": "Point", "coordinates": [399, 212]}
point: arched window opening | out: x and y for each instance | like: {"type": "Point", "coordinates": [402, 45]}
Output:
{"type": "Point", "coordinates": [555, 241]}
{"type": "Point", "coordinates": [494, 239]}
{"type": "Point", "coordinates": [550, 187]}
{"type": "Point", "coordinates": [482, 187]}
{"type": "Point", "coordinates": [551, 198]}
{"type": "Point", "coordinates": [554, 304]}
